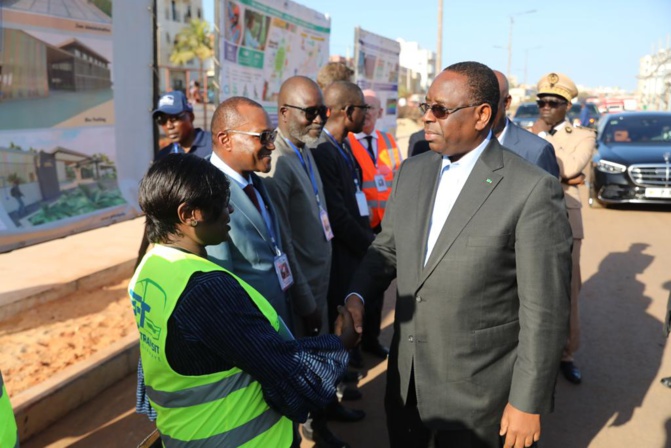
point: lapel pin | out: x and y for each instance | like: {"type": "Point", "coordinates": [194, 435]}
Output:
{"type": "Point", "coordinates": [489, 181]}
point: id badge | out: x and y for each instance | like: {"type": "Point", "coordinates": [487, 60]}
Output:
{"type": "Point", "coordinates": [380, 183]}
{"type": "Point", "coordinates": [362, 202]}
{"type": "Point", "coordinates": [283, 272]}
{"type": "Point", "coordinates": [326, 225]}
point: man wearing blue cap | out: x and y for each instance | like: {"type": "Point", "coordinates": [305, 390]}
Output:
{"type": "Point", "coordinates": [175, 116]}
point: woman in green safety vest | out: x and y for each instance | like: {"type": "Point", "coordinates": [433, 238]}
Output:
{"type": "Point", "coordinates": [220, 366]}
{"type": "Point", "coordinates": [9, 436]}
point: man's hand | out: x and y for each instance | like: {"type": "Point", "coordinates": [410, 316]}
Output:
{"type": "Point", "coordinates": [355, 307]}
{"type": "Point", "coordinates": [520, 428]}
{"type": "Point", "coordinates": [344, 329]}
{"type": "Point", "coordinates": [312, 322]}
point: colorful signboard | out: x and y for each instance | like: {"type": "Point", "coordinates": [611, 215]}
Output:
{"type": "Point", "coordinates": [264, 42]}
{"type": "Point", "coordinates": [376, 64]}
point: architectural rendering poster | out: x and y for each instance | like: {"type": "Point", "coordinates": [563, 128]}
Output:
{"type": "Point", "coordinates": [57, 150]}
{"type": "Point", "coordinates": [376, 62]}
{"type": "Point", "coordinates": [264, 42]}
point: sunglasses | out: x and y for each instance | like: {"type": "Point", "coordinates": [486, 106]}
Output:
{"type": "Point", "coordinates": [162, 119]}
{"type": "Point", "coordinates": [365, 108]}
{"type": "Point", "coordinates": [265, 137]}
{"type": "Point", "coordinates": [550, 103]}
{"type": "Point", "coordinates": [441, 112]}
{"type": "Point", "coordinates": [312, 112]}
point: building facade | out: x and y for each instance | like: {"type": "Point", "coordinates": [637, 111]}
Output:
{"type": "Point", "coordinates": [418, 67]}
{"type": "Point", "coordinates": [654, 80]}
{"type": "Point", "coordinates": [171, 17]}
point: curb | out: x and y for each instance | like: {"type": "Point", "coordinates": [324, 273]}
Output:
{"type": "Point", "coordinates": [16, 302]}
{"type": "Point", "coordinates": [40, 406]}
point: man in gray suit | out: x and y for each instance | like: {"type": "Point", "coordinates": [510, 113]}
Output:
{"type": "Point", "coordinates": [482, 259]}
{"type": "Point", "coordinates": [528, 145]}
{"type": "Point", "coordinates": [243, 142]}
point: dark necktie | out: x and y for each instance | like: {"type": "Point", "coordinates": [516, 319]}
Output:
{"type": "Point", "coordinates": [552, 131]}
{"type": "Point", "coordinates": [369, 141]}
{"type": "Point", "coordinates": [251, 194]}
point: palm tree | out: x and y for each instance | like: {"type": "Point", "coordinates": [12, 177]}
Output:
{"type": "Point", "coordinates": [194, 42]}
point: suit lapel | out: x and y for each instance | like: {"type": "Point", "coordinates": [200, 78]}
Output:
{"type": "Point", "coordinates": [243, 205]}
{"type": "Point", "coordinates": [479, 185]}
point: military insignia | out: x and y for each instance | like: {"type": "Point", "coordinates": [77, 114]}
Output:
{"type": "Point", "coordinates": [553, 78]}
{"type": "Point", "coordinates": [569, 129]}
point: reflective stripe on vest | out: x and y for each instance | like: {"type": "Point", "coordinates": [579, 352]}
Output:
{"type": "Point", "coordinates": [388, 162]}
{"type": "Point", "coordinates": [235, 437]}
{"type": "Point", "coordinates": [9, 433]}
{"type": "Point", "coordinates": [200, 394]}
{"type": "Point", "coordinates": [198, 410]}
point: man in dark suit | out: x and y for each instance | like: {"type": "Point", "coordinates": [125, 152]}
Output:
{"type": "Point", "coordinates": [528, 145]}
{"type": "Point", "coordinates": [243, 143]}
{"type": "Point", "coordinates": [480, 245]}
{"type": "Point", "coordinates": [341, 175]}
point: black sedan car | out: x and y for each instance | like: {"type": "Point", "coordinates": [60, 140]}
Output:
{"type": "Point", "coordinates": [633, 159]}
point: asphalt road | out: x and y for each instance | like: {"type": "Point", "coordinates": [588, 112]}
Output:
{"type": "Point", "coordinates": [626, 269]}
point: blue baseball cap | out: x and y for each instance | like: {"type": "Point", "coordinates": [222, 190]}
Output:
{"type": "Point", "coordinates": [172, 103]}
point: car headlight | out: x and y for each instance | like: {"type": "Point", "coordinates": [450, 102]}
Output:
{"type": "Point", "coordinates": [610, 167]}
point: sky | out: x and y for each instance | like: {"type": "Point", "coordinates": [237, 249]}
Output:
{"type": "Point", "coordinates": [595, 42]}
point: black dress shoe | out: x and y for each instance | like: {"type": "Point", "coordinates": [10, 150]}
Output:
{"type": "Point", "coordinates": [570, 372]}
{"type": "Point", "coordinates": [339, 413]}
{"type": "Point", "coordinates": [324, 438]}
{"type": "Point", "coordinates": [376, 349]}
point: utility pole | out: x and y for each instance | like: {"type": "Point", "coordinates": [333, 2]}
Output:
{"type": "Point", "coordinates": [439, 44]}
{"type": "Point", "coordinates": [510, 40]}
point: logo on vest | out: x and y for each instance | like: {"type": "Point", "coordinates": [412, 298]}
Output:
{"type": "Point", "coordinates": [152, 296]}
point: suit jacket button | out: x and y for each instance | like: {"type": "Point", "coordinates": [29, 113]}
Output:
{"type": "Point", "coordinates": [411, 338]}
{"type": "Point", "coordinates": [418, 299]}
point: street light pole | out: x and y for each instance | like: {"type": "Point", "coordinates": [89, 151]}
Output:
{"type": "Point", "coordinates": [510, 39]}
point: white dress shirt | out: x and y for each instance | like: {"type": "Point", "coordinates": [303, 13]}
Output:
{"type": "Point", "coordinates": [361, 136]}
{"type": "Point", "coordinates": [452, 179]}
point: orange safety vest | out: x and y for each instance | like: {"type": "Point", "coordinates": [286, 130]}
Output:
{"type": "Point", "coordinates": [387, 164]}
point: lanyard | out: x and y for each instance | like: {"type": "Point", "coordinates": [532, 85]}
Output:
{"type": "Point", "coordinates": [309, 172]}
{"type": "Point", "coordinates": [269, 223]}
{"type": "Point", "coordinates": [350, 163]}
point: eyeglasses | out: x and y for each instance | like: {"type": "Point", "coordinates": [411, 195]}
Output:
{"type": "Point", "coordinates": [365, 107]}
{"type": "Point", "coordinates": [441, 112]}
{"type": "Point", "coordinates": [266, 137]}
{"type": "Point", "coordinates": [312, 112]}
{"type": "Point", "coordinates": [162, 119]}
{"type": "Point", "coordinates": [550, 103]}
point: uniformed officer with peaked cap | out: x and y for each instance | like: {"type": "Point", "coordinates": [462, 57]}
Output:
{"type": "Point", "coordinates": [574, 148]}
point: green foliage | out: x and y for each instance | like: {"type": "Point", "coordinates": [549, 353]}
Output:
{"type": "Point", "coordinates": [192, 42]}
{"type": "Point", "coordinates": [84, 199]}
{"type": "Point", "coordinates": [14, 177]}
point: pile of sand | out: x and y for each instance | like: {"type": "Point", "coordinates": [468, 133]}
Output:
{"type": "Point", "coordinates": [40, 342]}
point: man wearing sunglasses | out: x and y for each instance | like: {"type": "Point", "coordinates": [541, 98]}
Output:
{"type": "Point", "coordinates": [479, 243]}
{"type": "Point", "coordinates": [244, 141]}
{"type": "Point", "coordinates": [574, 148]}
{"type": "Point", "coordinates": [175, 116]}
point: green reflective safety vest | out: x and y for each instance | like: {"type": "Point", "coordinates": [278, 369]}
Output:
{"type": "Point", "coordinates": [9, 434]}
{"type": "Point", "coordinates": [224, 409]}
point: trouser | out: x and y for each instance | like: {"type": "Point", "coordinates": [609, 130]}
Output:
{"type": "Point", "coordinates": [573, 342]}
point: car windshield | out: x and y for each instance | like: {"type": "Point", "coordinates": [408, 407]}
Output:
{"type": "Point", "coordinates": [527, 110]}
{"type": "Point", "coordinates": [634, 128]}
